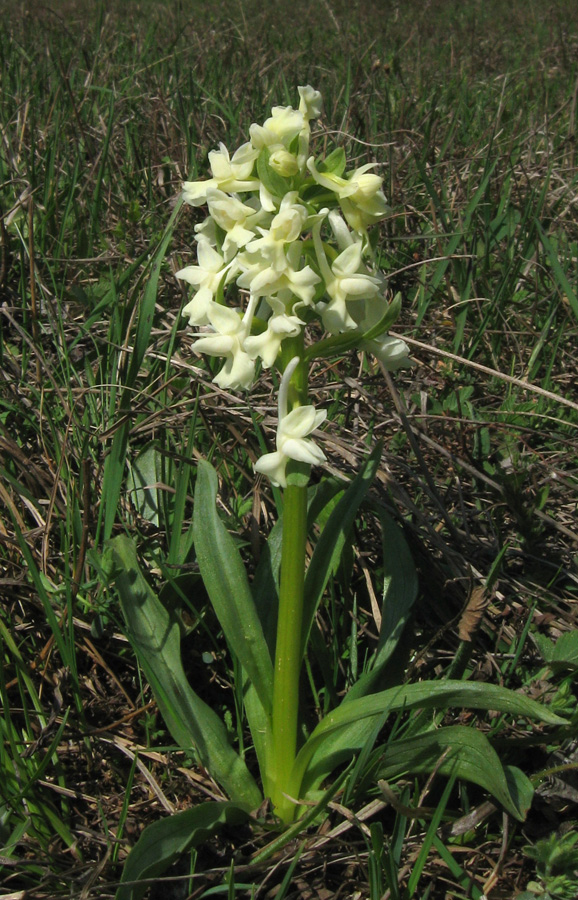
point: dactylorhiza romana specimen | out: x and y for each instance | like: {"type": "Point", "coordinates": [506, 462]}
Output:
{"type": "Point", "coordinates": [287, 237]}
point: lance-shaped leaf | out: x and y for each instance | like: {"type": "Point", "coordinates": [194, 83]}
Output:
{"type": "Point", "coordinates": [155, 635]}
{"type": "Point", "coordinates": [226, 581]}
{"type": "Point", "coordinates": [265, 586]}
{"type": "Point", "coordinates": [399, 593]}
{"type": "Point", "coordinates": [260, 727]}
{"type": "Point", "coordinates": [344, 731]}
{"type": "Point", "coordinates": [330, 545]}
{"type": "Point", "coordinates": [161, 844]}
{"type": "Point", "coordinates": [466, 753]}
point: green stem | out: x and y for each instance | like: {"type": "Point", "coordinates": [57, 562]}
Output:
{"type": "Point", "coordinates": [288, 647]}
{"type": "Point", "coordinates": [285, 712]}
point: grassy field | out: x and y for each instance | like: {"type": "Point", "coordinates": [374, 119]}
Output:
{"type": "Point", "coordinates": [470, 109]}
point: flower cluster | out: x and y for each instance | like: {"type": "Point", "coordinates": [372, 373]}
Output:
{"type": "Point", "coordinates": [289, 234]}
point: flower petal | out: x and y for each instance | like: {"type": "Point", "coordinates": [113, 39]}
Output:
{"type": "Point", "coordinates": [300, 422]}
{"type": "Point", "coordinates": [273, 466]}
{"type": "Point", "coordinates": [304, 451]}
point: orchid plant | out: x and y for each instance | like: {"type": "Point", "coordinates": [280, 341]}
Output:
{"type": "Point", "coordinates": [285, 274]}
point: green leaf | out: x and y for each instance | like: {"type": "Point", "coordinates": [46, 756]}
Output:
{"type": "Point", "coordinates": [142, 480]}
{"type": "Point", "coordinates": [334, 162]}
{"type": "Point", "coordinates": [226, 581]}
{"type": "Point", "coordinates": [466, 753]}
{"type": "Point", "coordinates": [161, 843]}
{"type": "Point", "coordinates": [155, 636]}
{"type": "Point", "coordinates": [560, 655]}
{"type": "Point", "coordinates": [400, 589]}
{"type": "Point", "coordinates": [520, 787]}
{"type": "Point", "coordinates": [546, 647]}
{"type": "Point", "coordinates": [113, 476]}
{"type": "Point", "coordinates": [344, 732]}
{"type": "Point", "coordinates": [399, 594]}
{"type": "Point", "coordinates": [330, 545]}
{"type": "Point", "coordinates": [439, 695]}
{"type": "Point", "coordinates": [324, 496]}
{"type": "Point", "coordinates": [260, 727]}
{"type": "Point", "coordinates": [265, 587]}
{"type": "Point", "coordinates": [566, 651]}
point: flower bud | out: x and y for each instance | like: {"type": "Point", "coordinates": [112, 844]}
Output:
{"type": "Point", "coordinates": [284, 163]}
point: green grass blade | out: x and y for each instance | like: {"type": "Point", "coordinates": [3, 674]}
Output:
{"type": "Point", "coordinates": [147, 309]}
{"type": "Point", "coordinates": [557, 270]}
{"type": "Point", "coordinates": [460, 874]}
{"type": "Point", "coordinates": [421, 860]}
{"type": "Point", "coordinates": [114, 468]}
{"type": "Point", "coordinates": [399, 594]}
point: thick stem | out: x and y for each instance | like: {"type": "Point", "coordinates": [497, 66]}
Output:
{"type": "Point", "coordinates": [285, 713]}
{"type": "Point", "coordinates": [288, 647]}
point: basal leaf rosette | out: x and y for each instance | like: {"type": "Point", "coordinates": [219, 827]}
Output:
{"type": "Point", "coordinates": [287, 234]}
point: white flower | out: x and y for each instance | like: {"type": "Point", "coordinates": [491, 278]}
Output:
{"type": "Point", "coordinates": [285, 228]}
{"type": "Point", "coordinates": [279, 326]}
{"type": "Point", "coordinates": [343, 235]}
{"type": "Point", "coordinates": [289, 221]}
{"type": "Point", "coordinates": [277, 132]}
{"type": "Point", "coordinates": [310, 105]}
{"type": "Point", "coordinates": [231, 329]}
{"type": "Point", "coordinates": [301, 282]}
{"type": "Point", "coordinates": [238, 169]}
{"type": "Point", "coordinates": [292, 431]}
{"type": "Point", "coordinates": [207, 231]}
{"type": "Point", "coordinates": [232, 175]}
{"type": "Point", "coordinates": [234, 217]}
{"type": "Point", "coordinates": [262, 280]}
{"type": "Point", "coordinates": [311, 102]}
{"type": "Point", "coordinates": [207, 276]}
{"type": "Point", "coordinates": [266, 199]}
{"type": "Point", "coordinates": [343, 282]}
{"type": "Point", "coordinates": [389, 350]}
{"type": "Point", "coordinates": [360, 195]}
{"type": "Point", "coordinates": [257, 276]}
